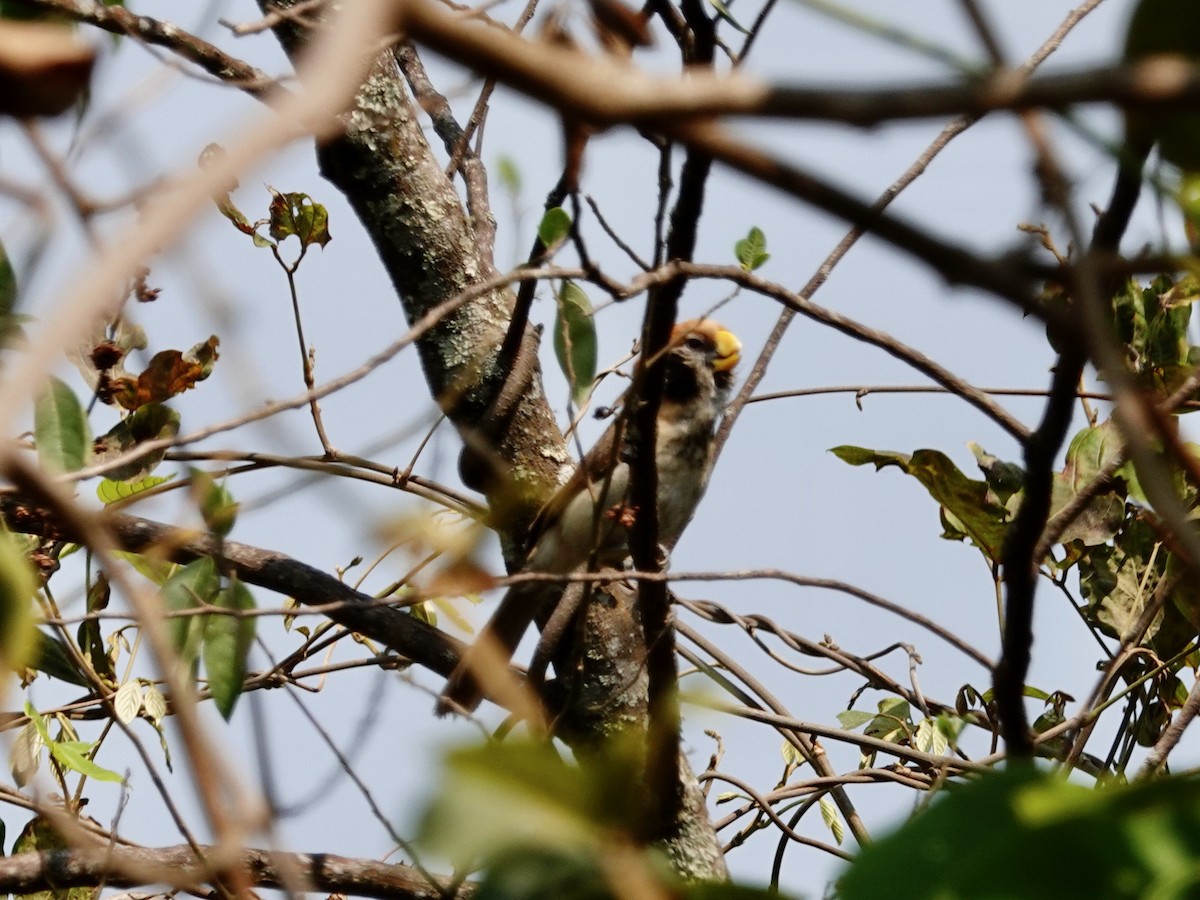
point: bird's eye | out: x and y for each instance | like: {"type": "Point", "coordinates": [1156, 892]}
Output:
{"type": "Point", "coordinates": [695, 342]}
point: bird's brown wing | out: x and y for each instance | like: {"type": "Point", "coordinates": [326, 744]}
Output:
{"type": "Point", "coordinates": [590, 475]}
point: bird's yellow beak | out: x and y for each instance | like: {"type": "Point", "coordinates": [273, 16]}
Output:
{"type": "Point", "coordinates": [729, 351]}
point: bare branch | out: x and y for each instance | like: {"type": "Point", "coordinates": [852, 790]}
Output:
{"type": "Point", "coordinates": [119, 20]}
{"type": "Point", "coordinates": [178, 867]}
{"type": "Point", "coordinates": [605, 91]}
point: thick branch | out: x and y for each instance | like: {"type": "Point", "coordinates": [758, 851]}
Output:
{"type": "Point", "coordinates": [359, 612]}
{"type": "Point", "coordinates": [664, 788]}
{"type": "Point", "coordinates": [1092, 289]}
{"type": "Point", "coordinates": [1020, 568]}
{"type": "Point", "coordinates": [177, 867]}
{"type": "Point", "coordinates": [606, 91]}
{"type": "Point", "coordinates": [119, 20]}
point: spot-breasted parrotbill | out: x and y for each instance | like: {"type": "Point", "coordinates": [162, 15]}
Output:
{"type": "Point", "coordinates": [586, 521]}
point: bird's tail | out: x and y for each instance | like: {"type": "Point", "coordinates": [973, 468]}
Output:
{"type": "Point", "coordinates": [483, 670]}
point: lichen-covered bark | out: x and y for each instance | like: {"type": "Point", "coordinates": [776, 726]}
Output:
{"type": "Point", "coordinates": [415, 218]}
{"type": "Point", "coordinates": [605, 693]}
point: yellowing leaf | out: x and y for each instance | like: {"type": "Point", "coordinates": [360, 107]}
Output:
{"type": "Point", "coordinates": [25, 754]}
{"type": "Point", "coordinates": [829, 814]}
{"type": "Point", "coordinates": [969, 510]}
{"type": "Point", "coordinates": [296, 214]}
{"type": "Point", "coordinates": [169, 374]}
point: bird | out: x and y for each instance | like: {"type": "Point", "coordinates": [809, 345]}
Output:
{"type": "Point", "coordinates": [585, 523]}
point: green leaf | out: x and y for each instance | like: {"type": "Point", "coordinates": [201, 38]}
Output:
{"type": "Point", "coordinates": [114, 491]}
{"type": "Point", "coordinates": [425, 611]}
{"type": "Point", "coordinates": [791, 756]}
{"type": "Point", "coordinates": [505, 798]}
{"type": "Point", "coordinates": [1091, 450]}
{"type": "Point", "coordinates": [11, 322]}
{"type": "Point", "coordinates": [19, 638]}
{"type": "Point", "coordinates": [1168, 307]}
{"type": "Point", "coordinates": [73, 755]}
{"type": "Point", "coordinates": [203, 356]}
{"type": "Point", "coordinates": [90, 640]}
{"type": "Point", "coordinates": [751, 251]}
{"type": "Point", "coordinates": [68, 754]}
{"type": "Point", "coordinates": [60, 428]}
{"type": "Point", "coordinates": [230, 211]}
{"type": "Point", "coordinates": [852, 718]}
{"type": "Point", "coordinates": [1028, 691]}
{"type": "Point", "coordinates": [8, 285]}
{"type": "Point", "coordinates": [209, 156]}
{"type": "Point", "coordinates": [150, 422]}
{"type": "Point", "coordinates": [215, 502]}
{"type": "Point", "coordinates": [861, 456]}
{"type": "Point", "coordinates": [38, 835]}
{"type": "Point", "coordinates": [297, 214]}
{"type": "Point", "coordinates": [195, 585]}
{"type": "Point", "coordinates": [227, 642]}
{"type": "Point", "coordinates": [151, 567]}
{"type": "Point", "coordinates": [39, 722]}
{"type": "Point", "coordinates": [575, 342]}
{"type": "Point", "coordinates": [930, 738]}
{"type": "Point", "coordinates": [508, 174]}
{"type": "Point", "coordinates": [1188, 199]}
{"type": "Point", "coordinates": [1165, 27]}
{"type": "Point", "coordinates": [892, 722]}
{"type": "Point", "coordinates": [53, 659]}
{"type": "Point", "coordinates": [1117, 580]}
{"type": "Point", "coordinates": [969, 510]}
{"type": "Point", "coordinates": [723, 12]}
{"type": "Point", "coordinates": [1152, 322]}
{"type": "Point", "coordinates": [1004, 479]}
{"type": "Point", "coordinates": [1130, 321]}
{"type": "Point", "coordinates": [1026, 834]}
{"type": "Point", "coordinates": [554, 227]}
